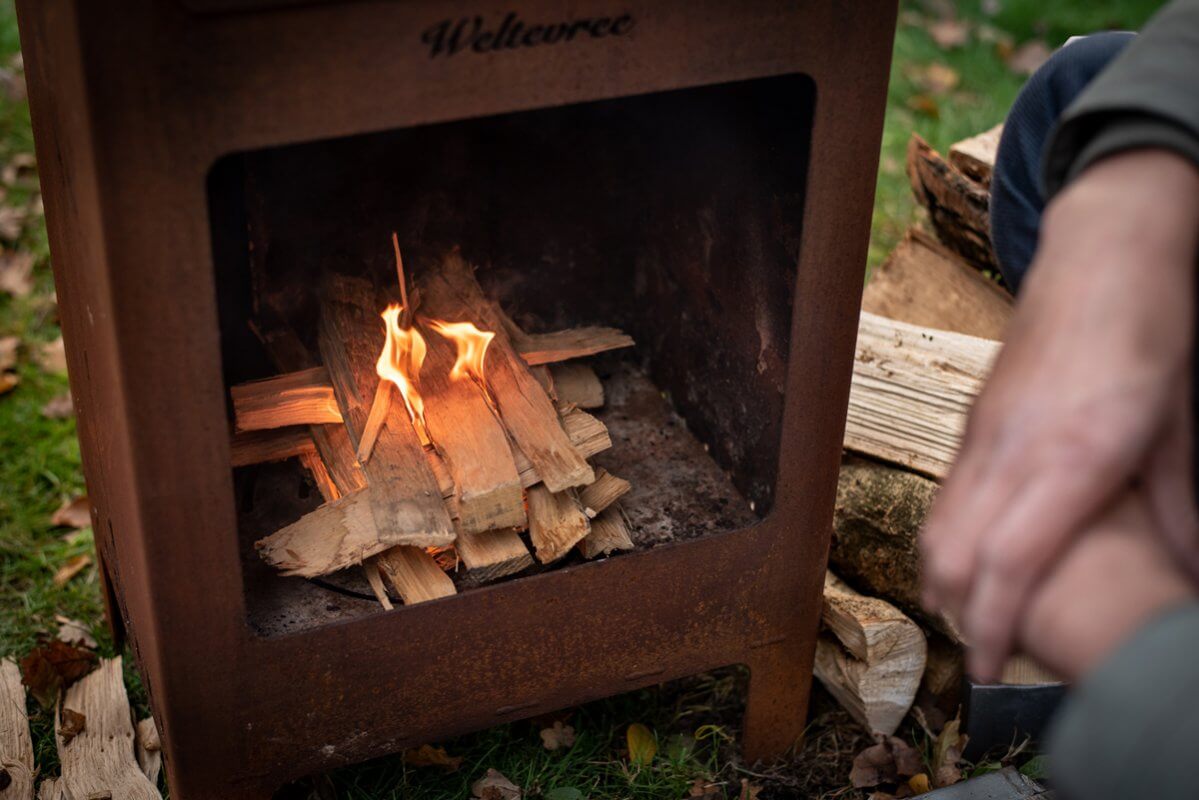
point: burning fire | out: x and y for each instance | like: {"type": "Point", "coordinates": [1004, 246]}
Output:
{"type": "Point", "coordinates": [472, 350]}
{"type": "Point", "coordinates": [403, 354]}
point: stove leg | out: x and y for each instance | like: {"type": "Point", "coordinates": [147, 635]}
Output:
{"type": "Point", "coordinates": [777, 706]}
{"type": "Point", "coordinates": [207, 791]}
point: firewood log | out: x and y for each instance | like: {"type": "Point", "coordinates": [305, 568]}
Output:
{"type": "Point", "coordinates": [556, 523]}
{"type": "Point", "coordinates": [294, 398]}
{"type": "Point", "coordinates": [911, 392]}
{"type": "Point", "coordinates": [958, 206]}
{"type": "Point", "coordinates": [609, 533]}
{"type": "Point", "coordinates": [975, 156]}
{"type": "Point", "coordinates": [548, 348]}
{"type": "Point", "coordinates": [99, 760]}
{"type": "Point", "coordinates": [577, 385]}
{"type": "Point", "coordinates": [16, 745]}
{"type": "Point", "coordinates": [451, 293]}
{"type": "Point", "coordinates": [403, 493]}
{"type": "Point", "coordinates": [606, 490]}
{"type": "Point", "coordinates": [873, 661]}
{"type": "Point", "coordinates": [492, 555]}
{"type": "Point", "coordinates": [415, 575]}
{"type": "Point", "coordinates": [923, 283]}
{"type": "Point", "coordinates": [261, 447]}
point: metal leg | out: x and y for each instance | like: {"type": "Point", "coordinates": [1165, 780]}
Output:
{"type": "Point", "coordinates": [777, 706]}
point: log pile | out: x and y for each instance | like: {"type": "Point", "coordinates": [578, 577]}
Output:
{"type": "Point", "coordinates": [933, 319]}
{"type": "Point", "coordinates": [493, 450]}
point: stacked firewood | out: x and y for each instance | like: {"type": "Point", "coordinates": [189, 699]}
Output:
{"type": "Point", "coordinates": [933, 319]}
{"type": "Point", "coordinates": [489, 455]}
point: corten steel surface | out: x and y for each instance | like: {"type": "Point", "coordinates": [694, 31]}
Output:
{"type": "Point", "coordinates": [132, 108]}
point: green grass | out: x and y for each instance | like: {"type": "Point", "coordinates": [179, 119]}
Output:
{"type": "Point", "coordinates": [695, 720]}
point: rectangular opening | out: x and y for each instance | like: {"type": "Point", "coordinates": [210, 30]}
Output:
{"type": "Point", "coordinates": [674, 216]}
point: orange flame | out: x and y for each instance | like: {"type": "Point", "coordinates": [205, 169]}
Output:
{"type": "Point", "coordinates": [400, 362]}
{"type": "Point", "coordinates": [472, 348]}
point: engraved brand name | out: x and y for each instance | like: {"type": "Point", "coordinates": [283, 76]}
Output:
{"type": "Point", "coordinates": [450, 37]}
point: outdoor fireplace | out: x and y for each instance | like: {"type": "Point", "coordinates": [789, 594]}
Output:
{"type": "Point", "coordinates": [223, 180]}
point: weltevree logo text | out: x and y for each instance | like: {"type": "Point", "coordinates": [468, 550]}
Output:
{"type": "Point", "coordinates": [450, 37]}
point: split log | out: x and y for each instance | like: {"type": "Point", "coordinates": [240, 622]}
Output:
{"type": "Point", "coordinates": [912, 390]}
{"type": "Point", "coordinates": [452, 293]}
{"type": "Point", "coordinates": [16, 745]}
{"type": "Point", "coordinates": [335, 536]}
{"type": "Point", "coordinates": [99, 760]}
{"type": "Point", "coordinates": [549, 348]}
{"type": "Point", "coordinates": [606, 490]}
{"type": "Point", "coordinates": [958, 206]}
{"type": "Point", "coordinates": [149, 749]}
{"type": "Point", "coordinates": [609, 533]}
{"type": "Point", "coordinates": [472, 443]}
{"type": "Point", "coordinates": [403, 493]}
{"type": "Point", "coordinates": [260, 447]}
{"type": "Point", "coordinates": [923, 283]}
{"type": "Point", "coordinates": [370, 568]}
{"type": "Point", "coordinates": [976, 156]}
{"type": "Point", "coordinates": [492, 555]}
{"type": "Point", "coordinates": [295, 398]}
{"type": "Point", "coordinates": [556, 523]}
{"type": "Point", "coordinates": [415, 575]}
{"type": "Point", "coordinates": [874, 664]}
{"type": "Point", "coordinates": [577, 385]}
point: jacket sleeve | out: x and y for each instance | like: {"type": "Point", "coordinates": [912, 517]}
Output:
{"type": "Point", "coordinates": [1130, 728]}
{"type": "Point", "coordinates": [1147, 97]}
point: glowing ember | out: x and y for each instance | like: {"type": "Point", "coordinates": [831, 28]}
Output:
{"type": "Point", "coordinates": [472, 349]}
{"type": "Point", "coordinates": [400, 362]}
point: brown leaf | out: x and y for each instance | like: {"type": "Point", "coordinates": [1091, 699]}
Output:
{"type": "Point", "coordinates": [52, 666]}
{"type": "Point", "coordinates": [925, 105]}
{"type": "Point", "coordinates": [558, 736]}
{"type": "Point", "coordinates": [8, 381]}
{"type": "Point", "coordinates": [12, 222]}
{"type": "Point", "coordinates": [60, 407]}
{"type": "Point", "coordinates": [947, 752]}
{"type": "Point", "coordinates": [888, 761]}
{"type": "Point", "coordinates": [494, 786]}
{"type": "Point", "coordinates": [73, 513]}
{"type": "Point", "coordinates": [71, 568]}
{"type": "Point", "coordinates": [51, 356]}
{"type": "Point", "coordinates": [936, 78]}
{"type": "Point", "coordinates": [1028, 57]}
{"type": "Point", "coordinates": [8, 351]}
{"type": "Point", "coordinates": [749, 791]}
{"type": "Point", "coordinates": [949, 33]}
{"type": "Point", "coordinates": [72, 631]}
{"type": "Point", "coordinates": [12, 84]}
{"type": "Point", "coordinates": [16, 273]}
{"type": "Point", "coordinates": [72, 724]}
{"type": "Point", "coordinates": [21, 170]}
{"type": "Point", "coordinates": [705, 789]}
{"type": "Point", "coordinates": [429, 756]}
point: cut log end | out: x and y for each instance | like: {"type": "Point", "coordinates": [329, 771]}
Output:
{"type": "Point", "coordinates": [415, 575]}
{"type": "Point", "coordinates": [556, 523]}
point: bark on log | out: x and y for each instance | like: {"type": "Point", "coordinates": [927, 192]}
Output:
{"type": "Point", "coordinates": [16, 745]}
{"type": "Point", "coordinates": [874, 659]}
{"type": "Point", "coordinates": [556, 523]}
{"type": "Point", "coordinates": [294, 398]}
{"type": "Point", "coordinates": [958, 206]}
{"type": "Point", "coordinates": [923, 283]}
{"type": "Point", "coordinates": [451, 293]}
{"type": "Point", "coordinates": [99, 760]}
{"type": "Point", "coordinates": [975, 156]}
{"type": "Point", "coordinates": [912, 390]}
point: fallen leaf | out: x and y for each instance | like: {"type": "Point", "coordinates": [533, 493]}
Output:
{"type": "Point", "coordinates": [936, 78]}
{"type": "Point", "coordinates": [749, 791]}
{"type": "Point", "coordinates": [51, 356]}
{"type": "Point", "coordinates": [642, 745]}
{"type": "Point", "coordinates": [72, 724]}
{"type": "Point", "coordinates": [16, 273]}
{"type": "Point", "coordinates": [73, 513]}
{"type": "Point", "coordinates": [12, 222]}
{"type": "Point", "coordinates": [429, 756]}
{"type": "Point", "coordinates": [60, 407]}
{"type": "Point", "coordinates": [494, 786]}
{"type": "Point", "coordinates": [1028, 57]}
{"type": "Point", "coordinates": [12, 82]}
{"type": "Point", "coordinates": [8, 351]}
{"type": "Point", "coordinates": [705, 789]}
{"type": "Point", "coordinates": [888, 761]}
{"type": "Point", "coordinates": [947, 752]}
{"type": "Point", "coordinates": [52, 666]}
{"type": "Point", "coordinates": [949, 33]}
{"type": "Point", "coordinates": [558, 736]}
{"type": "Point", "coordinates": [925, 105]}
{"type": "Point", "coordinates": [72, 631]}
{"type": "Point", "coordinates": [71, 568]}
{"type": "Point", "coordinates": [20, 170]}
{"type": "Point", "coordinates": [919, 783]}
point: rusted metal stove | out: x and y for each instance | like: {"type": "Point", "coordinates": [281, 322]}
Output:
{"type": "Point", "coordinates": [699, 174]}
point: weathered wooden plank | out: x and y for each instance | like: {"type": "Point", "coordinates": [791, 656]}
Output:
{"type": "Point", "coordinates": [16, 745]}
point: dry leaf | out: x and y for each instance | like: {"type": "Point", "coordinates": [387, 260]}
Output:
{"type": "Point", "coordinates": [888, 761]}
{"type": "Point", "coordinates": [749, 791]}
{"type": "Point", "coordinates": [494, 786]}
{"type": "Point", "coordinates": [704, 789]}
{"type": "Point", "coordinates": [21, 170]}
{"type": "Point", "coordinates": [919, 783]}
{"type": "Point", "coordinates": [947, 752]}
{"type": "Point", "coordinates": [12, 83]}
{"type": "Point", "coordinates": [558, 736]}
{"type": "Point", "coordinates": [72, 724]}
{"type": "Point", "coordinates": [52, 666]}
{"type": "Point", "coordinates": [925, 105]}
{"type": "Point", "coordinates": [12, 222]}
{"type": "Point", "coordinates": [16, 273]}
{"type": "Point", "coordinates": [52, 357]}
{"type": "Point", "coordinates": [72, 631]}
{"type": "Point", "coordinates": [1028, 57]}
{"type": "Point", "coordinates": [949, 33]}
{"type": "Point", "coordinates": [71, 568]}
{"type": "Point", "coordinates": [8, 351]}
{"type": "Point", "coordinates": [429, 756]}
{"type": "Point", "coordinates": [60, 407]}
{"type": "Point", "coordinates": [937, 78]}
{"type": "Point", "coordinates": [73, 513]}
{"type": "Point", "coordinates": [8, 381]}
{"type": "Point", "coordinates": [642, 745]}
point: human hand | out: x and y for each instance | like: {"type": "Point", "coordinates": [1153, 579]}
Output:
{"type": "Point", "coordinates": [1096, 355]}
{"type": "Point", "coordinates": [1115, 579]}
